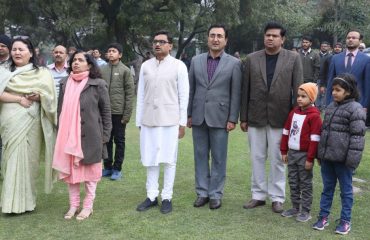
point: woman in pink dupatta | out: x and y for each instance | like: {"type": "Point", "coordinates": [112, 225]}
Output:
{"type": "Point", "coordinates": [84, 128]}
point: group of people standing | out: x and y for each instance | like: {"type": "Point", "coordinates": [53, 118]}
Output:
{"type": "Point", "coordinates": [269, 91]}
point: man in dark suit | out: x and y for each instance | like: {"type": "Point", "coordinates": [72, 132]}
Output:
{"type": "Point", "coordinates": [351, 61]}
{"type": "Point", "coordinates": [270, 84]}
{"type": "Point", "coordinates": [215, 81]}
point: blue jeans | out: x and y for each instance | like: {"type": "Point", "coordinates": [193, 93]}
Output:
{"type": "Point", "coordinates": [330, 172]}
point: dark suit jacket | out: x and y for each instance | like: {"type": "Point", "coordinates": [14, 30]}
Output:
{"type": "Point", "coordinates": [261, 107]}
{"type": "Point", "coordinates": [217, 101]}
{"type": "Point", "coordinates": [360, 69]}
{"type": "Point", "coordinates": [96, 123]}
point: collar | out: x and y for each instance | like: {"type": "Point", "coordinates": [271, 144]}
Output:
{"type": "Point", "coordinates": [52, 66]}
{"type": "Point", "coordinates": [166, 58]}
{"type": "Point", "coordinates": [216, 58]}
{"type": "Point", "coordinates": [354, 52]}
{"type": "Point", "coordinates": [308, 51]}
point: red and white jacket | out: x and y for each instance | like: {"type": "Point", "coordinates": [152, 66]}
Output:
{"type": "Point", "coordinates": [302, 132]}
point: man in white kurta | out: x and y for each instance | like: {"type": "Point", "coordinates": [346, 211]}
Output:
{"type": "Point", "coordinates": [161, 115]}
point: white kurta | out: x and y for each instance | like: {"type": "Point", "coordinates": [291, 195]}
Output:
{"type": "Point", "coordinates": [159, 144]}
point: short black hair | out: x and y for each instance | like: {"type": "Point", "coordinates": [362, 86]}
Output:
{"type": "Point", "coordinates": [325, 42]}
{"type": "Point", "coordinates": [338, 44]}
{"type": "Point", "coordinates": [219, 25]}
{"type": "Point", "coordinates": [164, 32]}
{"type": "Point", "coordinates": [116, 46]}
{"type": "Point", "coordinates": [30, 47]}
{"type": "Point", "coordinates": [307, 38]}
{"type": "Point", "coordinates": [94, 69]}
{"type": "Point", "coordinates": [348, 82]}
{"type": "Point", "coordinates": [355, 30]}
{"type": "Point", "coordinates": [275, 25]}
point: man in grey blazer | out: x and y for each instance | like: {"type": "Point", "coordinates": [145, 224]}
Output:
{"type": "Point", "coordinates": [271, 80]}
{"type": "Point", "coordinates": [214, 102]}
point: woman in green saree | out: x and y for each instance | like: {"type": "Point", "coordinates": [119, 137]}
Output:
{"type": "Point", "coordinates": [27, 126]}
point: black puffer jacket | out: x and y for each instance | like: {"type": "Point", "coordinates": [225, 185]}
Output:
{"type": "Point", "coordinates": [343, 130]}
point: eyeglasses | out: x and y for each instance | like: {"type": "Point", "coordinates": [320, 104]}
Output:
{"type": "Point", "coordinates": [161, 42]}
{"type": "Point", "coordinates": [21, 37]}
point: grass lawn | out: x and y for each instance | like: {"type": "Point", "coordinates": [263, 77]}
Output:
{"type": "Point", "coordinates": [115, 216]}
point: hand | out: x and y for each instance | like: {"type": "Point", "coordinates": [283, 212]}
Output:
{"type": "Point", "coordinates": [308, 165]}
{"type": "Point", "coordinates": [76, 163]}
{"type": "Point", "coordinates": [244, 126]}
{"type": "Point", "coordinates": [188, 124]}
{"type": "Point", "coordinates": [230, 126]}
{"type": "Point", "coordinates": [284, 158]}
{"type": "Point", "coordinates": [33, 97]}
{"type": "Point", "coordinates": [322, 90]}
{"type": "Point", "coordinates": [181, 132]}
{"type": "Point", "coordinates": [124, 121]}
{"type": "Point", "coordinates": [24, 102]}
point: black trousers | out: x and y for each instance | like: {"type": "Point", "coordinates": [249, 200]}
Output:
{"type": "Point", "coordinates": [118, 136]}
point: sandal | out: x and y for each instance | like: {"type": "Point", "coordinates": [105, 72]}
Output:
{"type": "Point", "coordinates": [84, 214]}
{"type": "Point", "coordinates": [71, 213]}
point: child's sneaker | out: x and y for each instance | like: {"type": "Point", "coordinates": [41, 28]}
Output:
{"type": "Point", "coordinates": [290, 213]}
{"type": "Point", "coordinates": [343, 227]}
{"type": "Point", "coordinates": [303, 217]}
{"type": "Point", "coordinates": [321, 223]}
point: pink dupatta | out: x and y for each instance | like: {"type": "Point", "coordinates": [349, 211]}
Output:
{"type": "Point", "coordinates": [68, 150]}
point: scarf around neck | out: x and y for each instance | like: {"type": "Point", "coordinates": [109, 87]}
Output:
{"type": "Point", "coordinates": [68, 147]}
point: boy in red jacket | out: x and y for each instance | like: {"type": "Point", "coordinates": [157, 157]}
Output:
{"type": "Point", "coordinates": [301, 136]}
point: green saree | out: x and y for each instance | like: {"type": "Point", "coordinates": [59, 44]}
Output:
{"type": "Point", "coordinates": [28, 136]}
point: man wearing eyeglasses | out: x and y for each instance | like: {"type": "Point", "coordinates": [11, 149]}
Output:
{"type": "Point", "coordinates": [351, 61]}
{"type": "Point", "coordinates": [162, 100]}
{"type": "Point", "coordinates": [215, 80]}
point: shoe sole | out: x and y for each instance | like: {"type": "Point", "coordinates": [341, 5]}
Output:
{"type": "Point", "coordinates": [343, 233]}
{"type": "Point", "coordinates": [320, 229]}
{"type": "Point", "coordinates": [289, 216]}
{"type": "Point", "coordinates": [305, 220]}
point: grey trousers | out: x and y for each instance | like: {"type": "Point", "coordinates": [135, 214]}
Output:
{"type": "Point", "coordinates": [300, 181]}
{"type": "Point", "coordinates": [210, 180]}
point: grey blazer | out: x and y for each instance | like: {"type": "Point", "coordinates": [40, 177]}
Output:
{"type": "Point", "coordinates": [261, 107]}
{"type": "Point", "coordinates": [217, 101]}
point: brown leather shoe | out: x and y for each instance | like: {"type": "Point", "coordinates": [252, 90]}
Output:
{"type": "Point", "coordinates": [201, 201]}
{"type": "Point", "coordinates": [253, 204]}
{"type": "Point", "coordinates": [277, 207]}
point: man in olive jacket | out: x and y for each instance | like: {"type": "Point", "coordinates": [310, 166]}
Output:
{"type": "Point", "coordinates": [121, 92]}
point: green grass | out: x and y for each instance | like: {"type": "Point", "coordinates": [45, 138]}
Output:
{"type": "Point", "coordinates": [115, 216]}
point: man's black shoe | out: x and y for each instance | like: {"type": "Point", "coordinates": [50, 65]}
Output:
{"type": "Point", "coordinates": [147, 204]}
{"type": "Point", "coordinates": [166, 206]}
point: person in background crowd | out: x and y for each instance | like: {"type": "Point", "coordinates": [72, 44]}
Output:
{"type": "Point", "coordinates": [60, 66]}
{"type": "Point", "coordinates": [214, 103]}
{"type": "Point", "coordinates": [28, 117]}
{"type": "Point", "coordinates": [121, 93]}
{"type": "Point", "coordinates": [362, 47]}
{"type": "Point", "coordinates": [310, 61]}
{"type": "Point", "coordinates": [162, 100]}
{"type": "Point", "coordinates": [97, 56]}
{"type": "Point", "coordinates": [5, 61]}
{"type": "Point", "coordinates": [84, 125]}
{"type": "Point", "coordinates": [40, 59]}
{"type": "Point", "coordinates": [186, 60]}
{"type": "Point", "coordinates": [352, 61]}
{"type": "Point", "coordinates": [270, 86]}
{"type": "Point", "coordinates": [147, 56]}
{"type": "Point", "coordinates": [325, 68]}
{"type": "Point", "coordinates": [324, 55]}
{"type": "Point", "coordinates": [237, 55]}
